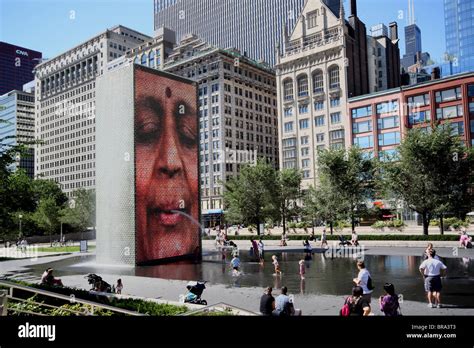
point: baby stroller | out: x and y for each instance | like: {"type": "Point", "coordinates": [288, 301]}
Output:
{"type": "Point", "coordinates": [98, 284]}
{"type": "Point", "coordinates": [195, 291]}
{"type": "Point", "coordinates": [343, 241]}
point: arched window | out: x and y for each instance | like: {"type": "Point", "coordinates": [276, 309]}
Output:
{"type": "Point", "coordinates": [318, 81]}
{"type": "Point", "coordinates": [288, 89]}
{"type": "Point", "coordinates": [152, 59]}
{"type": "Point", "coordinates": [144, 59]}
{"type": "Point", "coordinates": [137, 60]}
{"type": "Point", "coordinates": [303, 86]}
{"type": "Point", "coordinates": [334, 77]}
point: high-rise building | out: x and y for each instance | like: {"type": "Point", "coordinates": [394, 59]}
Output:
{"type": "Point", "coordinates": [65, 107]}
{"type": "Point", "coordinates": [459, 29]}
{"type": "Point", "coordinates": [324, 62]}
{"type": "Point", "coordinates": [16, 66]}
{"type": "Point", "coordinates": [413, 49]}
{"type": "Point", "coordinates": [383, 57]}
{"type": "Point", "coordinates": [253, 27]}
{"type": "Point", "coordinates": [17, 113]}
{"type": "Point", "coordinates": [237, 112]}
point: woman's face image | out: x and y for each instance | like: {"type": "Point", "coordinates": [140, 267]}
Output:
{"type": "Point", "coordinates": [166, 162]}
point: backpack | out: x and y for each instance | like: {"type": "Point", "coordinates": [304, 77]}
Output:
{"type": "Point", "coordinates": [370, 286]}
{"type": "Point", "coordinates": [346, 308]}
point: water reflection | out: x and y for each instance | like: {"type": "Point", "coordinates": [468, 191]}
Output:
{"type": "Point", "coordinates": [324, 275]}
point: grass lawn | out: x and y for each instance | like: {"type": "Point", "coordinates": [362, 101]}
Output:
{"type": "Point", "coordinates": [65, 249]}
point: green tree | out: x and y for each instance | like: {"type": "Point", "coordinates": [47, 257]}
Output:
{"type": "Point", "coordinates": [350, 179]}
{"type": "Point", "coordinates": [252, 193]}
{"type": "Point", "coordinates": [47, 215]}
{"type": "Point", "coordinates": [81, 215]}
{"type": "Point", "coordinates": [288, 192]}
{"type": "Point", "coordinates": [433, 174]}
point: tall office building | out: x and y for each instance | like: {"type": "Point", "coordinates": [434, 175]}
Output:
{"type": "Point", "coordinates": [413, 49]}
{"type": "Point", "coordinates": [383, 57]}
{"type": "Point", "coordinates": [65, 107]}
{"type": "Point", "coordinates": [324, 62]}
{"type": "Point", "coordinates": [253, 27]}
{"type": "Point", "coordinates": [17, 113]}
{"type": "Point", "coordinates": [237, 112]}
{"type": "Point", "coordinates": [459, 29]}
{"type": "Point", "coordinates": [16, 66]}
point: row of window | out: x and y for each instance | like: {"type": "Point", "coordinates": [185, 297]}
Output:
{"type": "Point", "coordinates": [302, 83]}
{"type": "Point", "coordinates": [319, 121]}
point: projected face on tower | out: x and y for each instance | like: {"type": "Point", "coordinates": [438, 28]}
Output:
{"type": "Point", "coordinates": [166, 162]}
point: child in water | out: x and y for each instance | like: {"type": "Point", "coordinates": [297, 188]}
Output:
{"type": "Point", "coordinates": [302, 270]}
{"type": "Point", "coordinates": [277, 265]}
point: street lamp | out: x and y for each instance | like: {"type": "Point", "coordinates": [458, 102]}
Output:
{"type": "Point", "coordinates": [20, 216]}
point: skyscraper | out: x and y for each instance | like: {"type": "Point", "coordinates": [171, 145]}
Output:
{"type": "Point", "coordinates": [459, 29]}
{"type": "Point", "coordinates": [16, 66]}
{"type": "Point", "coordinates": [253, 27]}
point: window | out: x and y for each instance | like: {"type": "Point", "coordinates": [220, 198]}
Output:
{"type": "Point", "coordinates": [306, 174]}
{"type": "Point", "coordinates": [388, 122]}
{"type": "Point", "coordinates": [448, 95]}
{"type": "Point", "coordinates": [319, 121]}
{"type": "Point", "coordinates": [304, 124]}
{"type": "Point", "coordinates": [470, 90]}
{"type": "Point", "coordinates": [303, 86]}
{"type": "Point", "coordinates": [419, 100]}
{"type": "Point", "coordinates": [144, 59]}
{"type": "Point", "coordinates": [361, 127]}
{"type": "Point", "coordinates": [392, 138]}
{"type": "Point", "coordinates": [362, 112]}
{"type": "Point", "coordinates": [336, 146]}
{"type": "Point", "coordinates": [364, 142]}
{"type": "Point", "coordinates": [136, 61]}
{"type": "Point", "coordinates": [319, 105]}
{"type": "Point", "coordinates": [320, 148]}
{"type": "Point", "coordinates": [449, 112]}
{"type": "Point", "coordinates": [305, 163]}
{"type": "Point", "coordinates": [289, 142]}
{"type": "Point", "coordinates": [312, 18]}
{"type": "Point", "coordinates": [419, 117]}
{"type": "Point", "coordinates": [336, 135]}
{"type": "Point", "coordinates": [472, 126]}
{"type": "Point", "coordinates": [303, 108]}
{"type": "Point", "coordinates": [388, 155]}
{"type": "Point", "coordinates": [304, 140]}
{"type": "Point", "coordinates": [288, 89]}
{"type": "Point", "coordinates": [288, 112]}
{"type": "Point", "coordinates": [318, 82]}
{"type": "Point", "coordinates": [336, 118]}
{"type": "Point", "coordinates": [457, 128]}
{"type": "Point", "coordinates": [288, 127]}
{"type": "Point", "coordinates": [289, 154]}
{"type": "Point", "coordinates": [305, 151]}
{"type": "Point", "coordinates": [387, 107]}
{"type": "Point", "coordinates": [335, 102]}
{"type": "Point", "coordinates": [152, 59]}
{"type": "Point", "coordinates": [320, 137]}
{"type": "Point", "coordinates": [334, 77]}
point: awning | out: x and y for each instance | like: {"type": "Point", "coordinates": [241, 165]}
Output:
{"type": "Point", "coordinates": [212, 211]}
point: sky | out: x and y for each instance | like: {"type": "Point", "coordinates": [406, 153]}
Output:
{"type": "Point", "coordinates": [54, 26]}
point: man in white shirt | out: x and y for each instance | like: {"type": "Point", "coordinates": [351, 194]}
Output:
{"type": "Point", "coordinates": [362, 280]}
{"type": "Point", "coordinates": [431, 270]}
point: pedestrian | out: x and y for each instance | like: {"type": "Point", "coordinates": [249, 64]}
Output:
{"type": "Point", "coordinates": [302, 270]}
{"type": "Point", "coordinates": [255, 249]}
{"type": "Point", "coordinates": [261, 249]}
{"type": "Point", "coordinates": [354, 238]}
{"type": "Point", "coordinates": [356, 305]}
{"type": "Point", "coordinates": [119, 287]}
{"type": "Point", "coordinates": [283, 305]}
{"type": "Point", "coordinates": [276, 265]}
{"type": "Point", "coordinates": [389, 304]}
{"type": "Point", "coordinates": [267, 302]}
{"type": "Point", "coordinates": [324, 238]}
{"type": "Point", "coordinates": [307, 246]}
{"type": "Point", "coordinates": [428, 249]}
{"type": "Point", "coordinates": [364, 281]}
{"type": "Point", "coordinates": [431, 269]}
{"type": "Point", "coordinates": [465, 241]}
{"type": "Point", "coordinates": [235, 264]}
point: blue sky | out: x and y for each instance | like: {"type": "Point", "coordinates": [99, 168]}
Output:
{"type": "Point", "coordinates": [54, 26]}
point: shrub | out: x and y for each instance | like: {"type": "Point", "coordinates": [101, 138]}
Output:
{"type": "Point", "coordinates": [379, 225]}
{"type": "Point", "coordinates": [455, 223]}
{"type": "Point", "coordinates": [340, 225]}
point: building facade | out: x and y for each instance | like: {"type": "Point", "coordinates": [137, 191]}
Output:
{"type": "Point", "coordinates": [237, 112]}
{"type": "Point", "coordinates": [324, 62]}
{"type": "Point", "coordinates": [17, 115]}
{"type": "Point", "coordinates": [253, 27]}
{"type": "Point", "coordinates": [380, 120]}
{"type": "Point", "coordinates": [65, 107]}
{"type": "Point", "coordinates": [16, 66]}
{"type": "Point", "coordinates": [383, 58]}
{"type": "Point", "coordinates": [459, 31]}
